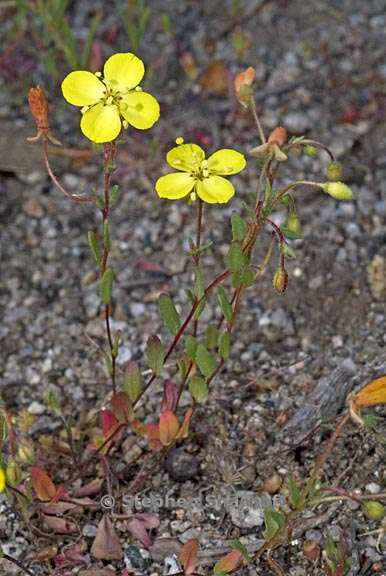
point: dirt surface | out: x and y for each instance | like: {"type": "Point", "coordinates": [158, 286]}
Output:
{"type": "Point", "coordinates": [321, 72]}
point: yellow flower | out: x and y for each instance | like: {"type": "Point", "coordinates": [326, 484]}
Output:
{"type": "Point", "coordinates": [198, 176]}
{"type": "Point", "coordinates": [113, 100]}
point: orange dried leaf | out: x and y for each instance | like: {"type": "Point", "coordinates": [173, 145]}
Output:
{"type": "Point", "coordinates": [188, 556]}
{"type": "Point", "coordinates": [42, 484]}
{"type": "Point", "coordinates": [372, 394]}
{"type": "Point", "coordinates": [230, 562]}
{"type": "Point", "coordinates": [215, 80]}
{"type": "Point", "coordinates": [152, 433]}
{"type": "Point", "coordinates": [106, 545]}
{"type": "Point", "coordinates": [184, 430]}
{"type": "Point", "coordinates": [39, 107]}
{"type": "Point", "coordinates": [168, 427]}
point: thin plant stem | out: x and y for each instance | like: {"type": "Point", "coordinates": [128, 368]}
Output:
{"type": "Point", "coordinates": [73, 197]}
{"type": "Point", "coordinates": [196, 256]}
{"type": "Point", "coordinates": [257, 121]}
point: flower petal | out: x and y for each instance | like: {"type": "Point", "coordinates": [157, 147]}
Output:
{"type": "Point", "coordinates": [215, 189]}
{"type": "Point", "coordinates": [226, 162]}
{"type": "Point", "coordinates": [101, 123]}
{"type": "Point", "coordinates": [175, 185]}
{"type": "Point", "coordinates": [140, 109]}
{"type": "Point", "coordinates": [83, 88]}
{"type": "Point", "coordinates": [186, 157]}
{"type": "Point", "coordinates": [123, 71]}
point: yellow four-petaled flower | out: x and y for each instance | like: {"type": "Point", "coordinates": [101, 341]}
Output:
{"type": "Point", "coordinates": [199, 176]}
{"type": "Point", "coordinates": [113, 100]}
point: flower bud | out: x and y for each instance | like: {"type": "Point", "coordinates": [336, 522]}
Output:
{"type": "Point", "coordinates": [292, 228]}
{"type": "Point", "coordinates": [39, 107]}
{"type": "Point", "coordinates": [334, 172]}
{"type": "Point", "coordinates": [310, 151]}
{"type": "Point", "coordinates": [374, 510]}
{"type": "Point", "coordinates": [280, 280]}
{"type": "Point", "coordinates": [242, 83]}
{"type": "Point", "coordinates": [13, 473]}
{"type": "Point", "coordinates": [338, 190]}
{"type": "Point", "coordinates": [278, 136]}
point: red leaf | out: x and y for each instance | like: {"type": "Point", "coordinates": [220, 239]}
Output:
{"type": "Point", "coordinates": [168, 427]}
{"type": "Point", "coordinates": [138, 530]}
{"type": "Point", "coordinates": [152, 433]}
{"type": "Point", "coordinates": [60, 525]}
{"type": "Point", "coordinates": [188, 556]}
{"type": "Point", "coordinates": [42, 484]}
{"type": "Point", "coordinates": [106, 545]}
{"type": "Point", "coordinates": [170, 397]}
{"type": "Point", "coordinates": [90, 489]}
{"type": "Point", "coordinates": [109, 422]}
{"type": "Point", "coordinates": [148, 520]}
{"type": "Point", "coordinates": [122, 407]}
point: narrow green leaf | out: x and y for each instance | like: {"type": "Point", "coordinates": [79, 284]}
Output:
{"type": "Point", "coordinates": [169, 314]}
{"type": "Point", "coordinates": [225, 305]}
{"type": "Point", "coordinates": [200, 309]}
{"type": "Point", "coordinates": [236, 259]}
{"type": "Point", "coordinates": [191, 346]}
{"type": "Point", "coordinates": [106, 285]}
{"type": "Point", "coordinates": [239, 227]}
{"type": "Point", "coordinates": [53, 401]}
{"type": "Point", "coordinates": [211, 337]}
{"type": "Point", "coordinates": [198, 388]}
{"type": "Point", "coordinates": [295, 496]}
{"type": "Point", "coordinates": [199, 287]}
{"type": "Point", "coordinates": [93, 242]}
{"type": "Point", "coordinates": [155, 354]}
{"type": "Point", "coordinates": [106, 235]}
{"type": "Point", "coordinates": [237, 545]}
{"type": "Point", "coordinates": [205, 361]}
{"type": "Point", "coordinates": [224, 345]}
{"type": "Point", "coordinates": [132, 382]}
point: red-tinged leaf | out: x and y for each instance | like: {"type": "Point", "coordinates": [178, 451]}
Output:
{"type": "Point", "coordinates": [170, 397]}
{"type": "Point", "coordinates": [61, 493]}
{"type": "Point", "coordinates": [168, 427]}
{"type": "Point", "coordinates": [90, 489]}
{"type": "Point", "coordinates": [106, 545]}
{"type": "Point", "coordinates": [109, 422]}
{"type": "Point", "coordinates": [57, 507]}
{"type": "Point", "coordinates": [184, 430]}
{"type": "Point", "coordinates": [42, 484]}
{"type": "Point", "coordinates": [188, 556]}
{"type": "Point", "coordinates": [138, 530]}
{"type": "Point", "coordinates": [230, 562]}
{"type": "Point", "coordinates": [372, 394]}
{"type": "Point", "coordinates": [152, 433]}
{"type": "Point", "coordinates": [149, 520]}
{"type": "Point", "coordinates": [121, 407]}
{"type": "Point", "coordinates": [60, 525]}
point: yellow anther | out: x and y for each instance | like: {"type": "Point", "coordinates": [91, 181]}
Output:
{"type": "Point", "coordinates": [98, 74]}
{"type": "Point", "coordinates": [84, 109]}
{"type": "Point", "coordinates": [193, 196]}
{"type": "Point", "coordinates": [179, 140]}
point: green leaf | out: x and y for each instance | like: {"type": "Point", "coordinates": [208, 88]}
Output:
{"type": "Point", "coordinates": [198, 388]}
{"type": "Point", "coordinates": [114, 194]}
{"type": "Point", "coordinates": [274, 521]}
{"type": "Point", "coordinates": [106, 285]}
{"type": "Point", "coordinates": [295, 495]}
{"type": "Point", "coordinates": [191, 346]}
{"type": "Point", "coordinates": [211, 337]}
{"type": "Point", "coordinates": [155, 354]}
{"type": "Point", "coordinates": [225, 305]}
{"type": "Point", "coordinates": [116, 344]}
{"type": "Point", "coordinates": [287, 251]}
{"type": "Point", "coordinates": [199, 287]}
{"type": "Point", "coordinates": [268, 191]}
{"type": "Point", "coordinates": [169, 314]}
{"type": "Point", "coordinates": [248, 277]}
{"type": "Point", "coordinates": [133, 382]}
{"type": "Point", "coordinates": [106, 235]}
{"type": "Point", "coordinates": [236, 259]}
{"type": "Point", "coordinates": [224, 345]}
{"type": "Point", "coordinates": [239, 227]}
{"type": "Point", "coordinates": [93, 242]}
{"type": "Point", "coordinates": [205, 361]}
{"type": "Point", "coordinates": [53, 401]}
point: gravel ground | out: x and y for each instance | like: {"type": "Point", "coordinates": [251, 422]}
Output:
{"type": "Point", "coordinates": [321, 72]}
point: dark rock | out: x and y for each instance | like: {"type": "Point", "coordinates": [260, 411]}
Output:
{"type": "Point", "coordinates": [181, 465]}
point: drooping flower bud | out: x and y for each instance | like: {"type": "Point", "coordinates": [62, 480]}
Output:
{"type": "Point", "coordinates": [243, 86]}
{"type": "Point", "coordinates": [338, 190]}
{"type": "Point", "coordinates": [334, 171]}
{"type": "Point", "coordinates": [278, 136]}
{"type": "Point", "coordinates": [13, 473]}
{"type": "Point", "coordinates": [292, 228]}
{"type": "Point", "coordinates": [38, 104]}
{"type": "Point", "coordinates": [280, 280]}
